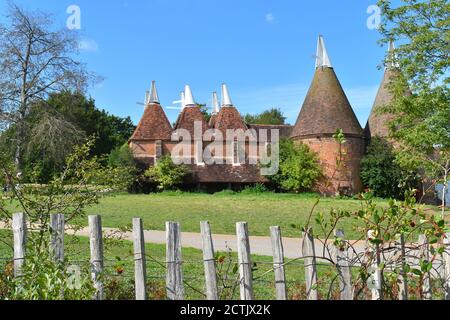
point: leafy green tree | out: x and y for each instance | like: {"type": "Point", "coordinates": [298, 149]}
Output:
{"type": "Point", "coordinates": [166, 174]}
{"type": "Point", "coordinates": [421, 126]}
{"type": "Point", "coordinates": [57, 125]}
{"type": "Point", "coordinates": [381, 173]}
{"type": "Point", "coordinates": [299, 167]}
{"type": "Point", "coordinates": [273, 116]}
{"type": "Point", "coordinates": [122, 159]}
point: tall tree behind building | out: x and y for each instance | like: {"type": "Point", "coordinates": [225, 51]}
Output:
{"type": "Point", "coordinates": [421, 125]}
{"type": "Point", "coordinates": [273, 116]}
{"type": "Point", "coordinates": [35, 60]}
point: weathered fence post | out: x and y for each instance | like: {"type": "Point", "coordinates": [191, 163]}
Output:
{"type": "Point", "coordinates": [402, 279]}
{"type": "Point", "coordinates": [377, 276]}
{"type": "Point", "coordinates": [209, 262]}
{"type": "Point", "coordinates": [425, 255]}
{"type": "Point", "coordinates": [140, 272]}
{"type": "Point", "coordinates": [278, 262]}
{"type": "Point", "coordinates": [309, 254]}
{"type": "Point", "coordinates": [174, 276]}
{"type": "Point", "coordinates": [19, 227]}
{"type": "Point", "coordinates": [57, 224]}
{"type": "Point", "coordinates": [446, 258]}
{"type": "Point", "coordinates": [96, 246]}
{"type": "Point", "coordinates": [343, 268]}
{"type": "Point", "coordinates": [244, 261]}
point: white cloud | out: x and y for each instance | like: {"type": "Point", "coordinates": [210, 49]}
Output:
{"type": "Point", "coordinates": [88, 45]}
{"type": "Point", "coordinates": [270, 18]}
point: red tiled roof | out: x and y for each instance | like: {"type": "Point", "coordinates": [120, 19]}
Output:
{"type": "Point", "coordinates": [377, 125]}
{"type": "Point", "coordinates": [326, 108]}
{"type": "Point", "coordinates": [153, 125]}
{"type": "Point", "coordinates": [188, 117]}
{"type": "Point", "coordinates": [229, 118]}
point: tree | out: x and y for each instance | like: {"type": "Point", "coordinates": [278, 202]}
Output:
{"type": "Point", "coordinates": [421, 124]}
{"type": "Point", "coordinates": [35, 60]}
{"type": "Point", "coordinates": [273, 116]}
{"type": "Point", "coordinates": [381, 173]}
{"type": "Point", "coordinates": [111, 131]}
{"type": "Point", "coordinates": [58, 124]}
{"type": "Point", "coordinates": [166, 174]}
{"type": "Point", "coordinates": [299, 167]}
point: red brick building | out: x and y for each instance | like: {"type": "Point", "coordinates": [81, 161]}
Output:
{"type": "Point", "coordinates": [325, 110]}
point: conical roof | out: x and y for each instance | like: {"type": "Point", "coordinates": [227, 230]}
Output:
{"type": "Point", "coordinates": [188, 117]}
{"type": "Point", "coordinates": [326, 108]}
{"type": "Point", "coordinates": [190, 114]}
{"type": "Point", "coordinates": [377, 125]}
{"type": "Point", "coordinates": [154, 124]}
{"type": "Point", "coordinates": [228, 116]}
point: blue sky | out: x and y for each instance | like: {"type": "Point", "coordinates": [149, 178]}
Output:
{"type": "Point", "coordinates": [263, 49]}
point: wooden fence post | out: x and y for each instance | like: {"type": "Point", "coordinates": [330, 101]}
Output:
{"type": "Point", "coordinates": [174, 276]}
{"type": "Point", "coordinates": [244, 261]}
{"type": "Point", "coordinates": [209, 262]}
{"type": "Point", "coordinates": [425, 255]}
{"type": "Point", "coordinates": [402, 279]}
{"type": "Point", "coordinates": [140, 272]}
{"type": "Point", "coordinates": [96, 246]}
{"type": "Point", "coordinates": [309, 254]}
{"type": "Point", "coordinates": [377, 276]}
{"type": "Point", "coordinates": [57, 225]}
{"type": "Point", "coordinates": [19, 227]}
{"type": "Point", "coordinates": [278, 262]}
{"type": "Point", "coordinates": [343, 268]}
{"type": "Point", "coordinates": [446, 258]}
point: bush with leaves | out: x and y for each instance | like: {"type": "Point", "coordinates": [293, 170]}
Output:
{"type": "Point", "coordinates": [121, 159]}
{"type": "Point", "coordinates": [381, 227]}
{"type": "Point", "coordinates": [166, 174]}
{"type": "Point", "coordinates": [382, 174]}
{"type": "Point", "coordinates": [43, 278]}
{"type": "Point", "coordinates": [299, 167]}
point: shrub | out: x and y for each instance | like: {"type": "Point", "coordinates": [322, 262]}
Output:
{"type": "Point", "coordinates": [166, 174]}
{"type": "Point", "coordinates": [299, 167]}
{"type": "Point", "coordinates": [381, 173]}
{"type": "Point", "coordinates": [257, 188]}
{"type": "Point", "coordinates": [121, 159]}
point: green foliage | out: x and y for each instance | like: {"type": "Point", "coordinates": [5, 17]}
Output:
{"type": "Point", "coordinates": [273, 116]}
{"type": "Point", "coordinates": [421, 124]}
{"type": "Point", "coordinates": [166, 174]}
{"type": "Point", "coordinates": [256, 188]}
{"type": "Point", "coordinates": [382, 226]}
{"type": "Point", "coordinates": [121, 159]}
{"type": "Point", "coordinates": [79, 186]}
{"type": "Point", "coordinates": [42, 278]}
{"type": "Point", "coordinates": [299, 167]}
{"type": "Point", "coordinates": [381, 173]}
{"type": "Point", "coordinates": [56, 126]}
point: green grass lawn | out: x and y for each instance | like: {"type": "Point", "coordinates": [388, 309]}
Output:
{"type": "Point", "coordinates": [222, 210]}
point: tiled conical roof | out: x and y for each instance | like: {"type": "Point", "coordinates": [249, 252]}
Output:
{"type": "Point", "coordinates": [377, 125]}
{"type": "Point", "coordinates": [378, 122]}
{"type": "Point", "coordinates": [188, 117]}
{"type": "Point", "coordinates": [326, 107]}
{"type": "Point", "coordinates": [228, 116]}
{"type": "Point", "coordinates": [190, 114]}
{"type": "Point", "coordinates": [154, 124]}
